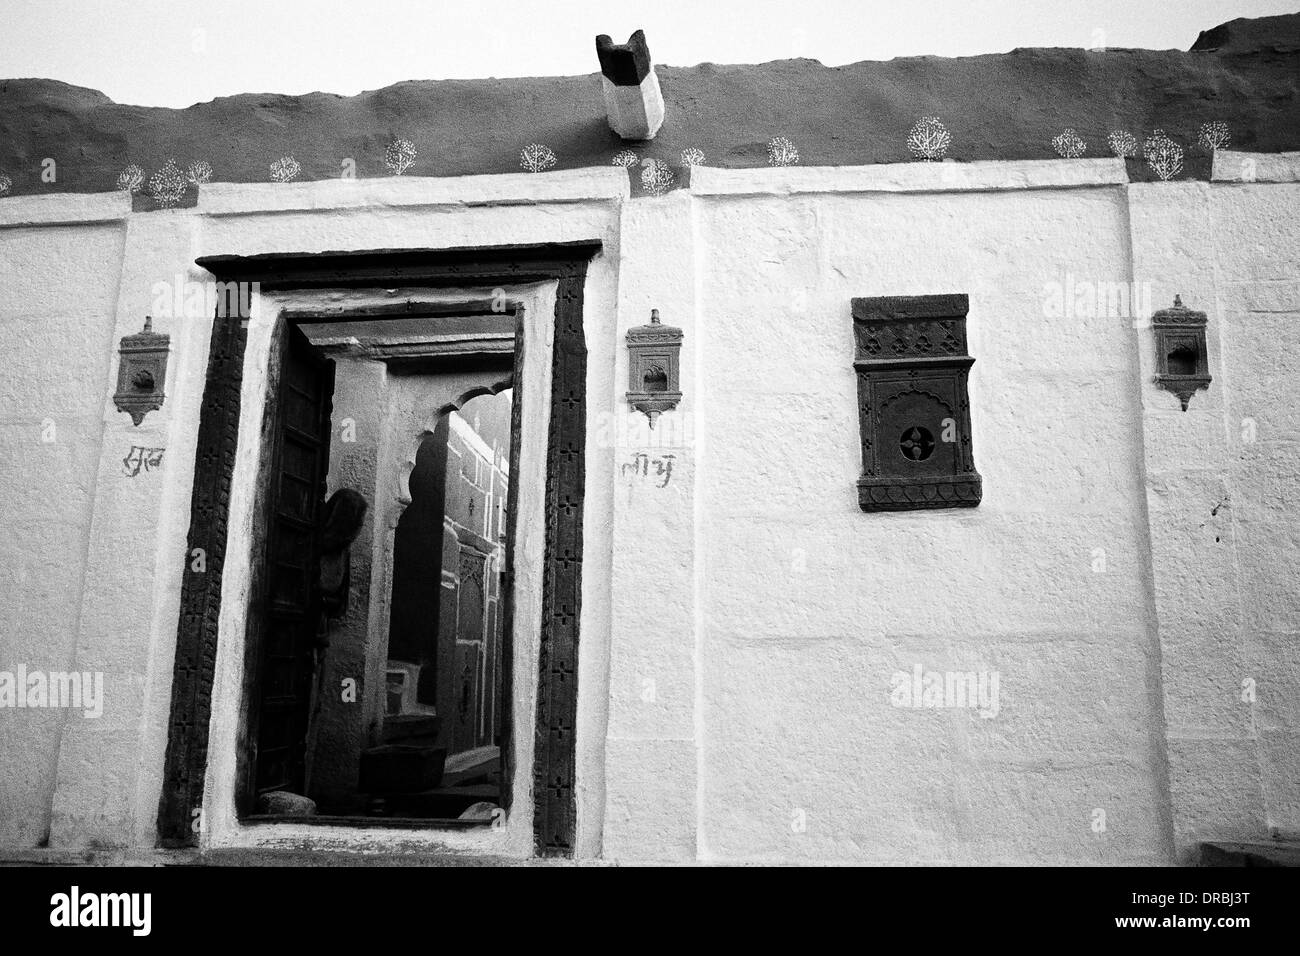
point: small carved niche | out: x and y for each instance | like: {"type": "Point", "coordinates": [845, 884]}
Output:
{"type": "Point", "coordinates": [913, 409]}
{"type": "Point", "coordinates": [1182, 361]}
{"type": "Point", "coordinates": [141, 370]}
{"type": "Point", "coordinates": [654, 352]}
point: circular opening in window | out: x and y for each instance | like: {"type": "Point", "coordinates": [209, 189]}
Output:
{"type": "Point", "coordinates": [917, 444]}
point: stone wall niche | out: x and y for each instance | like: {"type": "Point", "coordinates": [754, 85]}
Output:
{"type": "Point", "coordinates": [913, 409]}
{"type": "Point", "coordinates": [654, 381]}
{"type": "Point", "coordinates": [1182, 364]}
{"type": "Point", "coordinates": [141, 372]}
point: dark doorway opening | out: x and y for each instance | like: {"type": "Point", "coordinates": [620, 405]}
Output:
{"type": "Point", "coordinates": [553, 811]}
{"type": "Point", "coordinates": [383, 694]}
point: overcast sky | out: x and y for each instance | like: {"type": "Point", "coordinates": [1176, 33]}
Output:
{"type": "Point", "coordinates": [179, 52]}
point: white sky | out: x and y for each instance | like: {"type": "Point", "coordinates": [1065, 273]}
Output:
{"type": "Point", "coordinates": [179, 52]}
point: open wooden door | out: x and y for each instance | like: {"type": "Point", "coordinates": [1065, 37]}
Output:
{"type": "Point", "coordinates": [285, 613]}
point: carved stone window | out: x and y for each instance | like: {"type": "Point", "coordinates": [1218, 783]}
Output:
{"type": "Point", "coordinates": [913, 410]}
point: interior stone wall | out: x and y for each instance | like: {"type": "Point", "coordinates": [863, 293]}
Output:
{"type": "Point", "coordinates": [359, 411]}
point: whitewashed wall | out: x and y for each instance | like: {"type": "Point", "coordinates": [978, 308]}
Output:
{"type": "Point", "coordinates": [57, 314]}
{"type": "Point", "coordinates": [812, 605]}
{"type": "Point", "coordinates": [1128, 569]}
{"type": "Point", "coordinates": [1258, 253]}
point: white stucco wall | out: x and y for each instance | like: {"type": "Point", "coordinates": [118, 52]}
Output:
{"type": "Point", "coordinates": [101, 786]}
{"type": "Point", "coordinates": [1254, 231]}
{"type": "Point", "coordinates": [1127, 570]}
{"type": "Point", "coordinates": [811, 605]}
{"type": "Point", "coordinates": [57, 313]}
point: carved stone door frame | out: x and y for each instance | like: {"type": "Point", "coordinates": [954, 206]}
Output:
{"type": "Point", "coordinates": [554, 806]}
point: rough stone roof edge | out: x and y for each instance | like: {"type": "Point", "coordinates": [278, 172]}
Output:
{"type": "Point", "coordinates": [1245, 73]}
